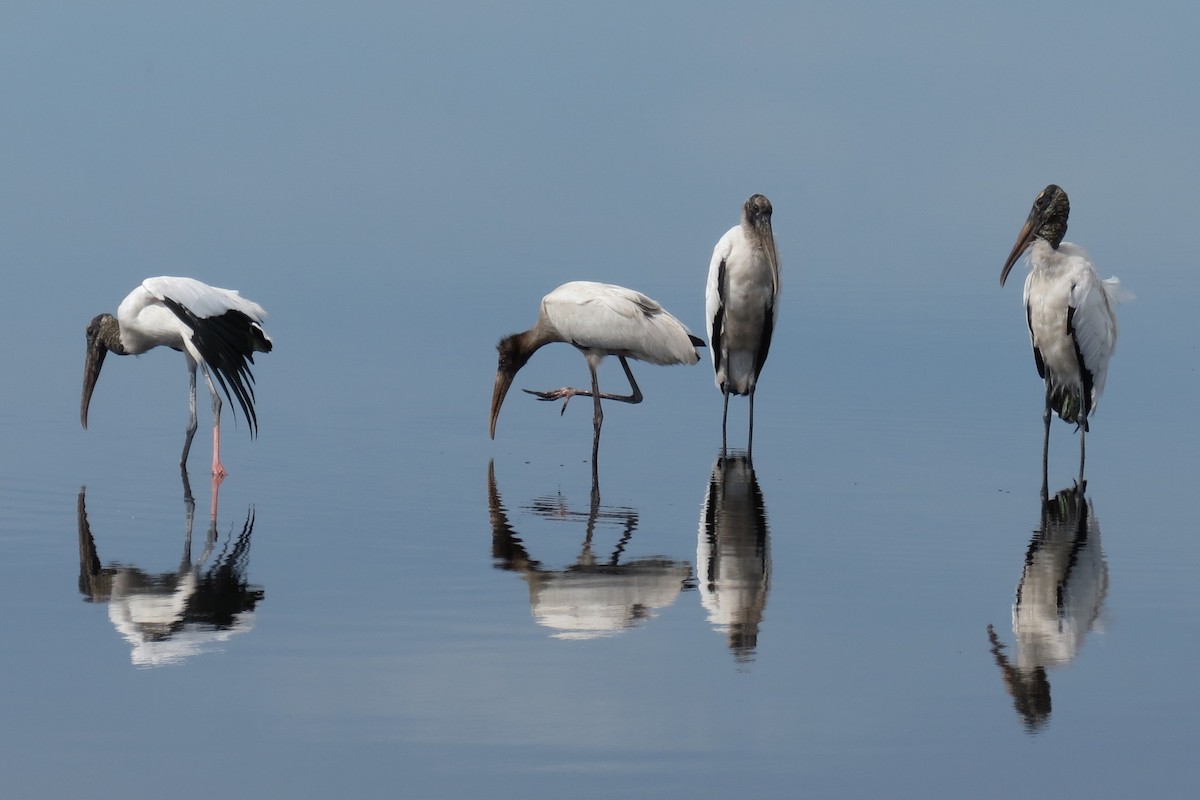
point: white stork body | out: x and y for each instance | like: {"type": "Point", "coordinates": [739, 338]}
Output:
{"type": "Point", "coordinates": [1069, 310]}
{"type": "Point", "coordinates": [216, 329]}
{"type": "Point", "coordinates": [1072, 327]}
{"type": "Point", "coordinates": [741, 303]}
{"type": "Point", "coordinates": [600, 319]}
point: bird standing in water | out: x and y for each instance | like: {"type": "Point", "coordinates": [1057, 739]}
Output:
{"type": "Point", "coordinates": [742, 304]}
{"type": "Point", "coordinates": [217, 329]}
{"type": "Point", "coordinates": [599, 319]}
{"type": "Point", "coordinates": [1069, 310]}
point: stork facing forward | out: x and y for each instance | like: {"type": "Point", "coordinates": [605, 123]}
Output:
{"type": "Point", "coordinates": [1069, 309]}
{"type": "Point", "coordinates": [599, 319]}
{"type": "Point", "coordinates": [742, 304]}
{"type": "Point", "coordinates": [217, 329]}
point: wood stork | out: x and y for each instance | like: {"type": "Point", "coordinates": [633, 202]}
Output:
{"type": "Point", "coordinates": [217, 329]}
{"type": "Point", "coordinates": [601, 320]}
{"type": "Point", "coordinates": [1069, 310]}
{"type": "Point", "coordinates": [742, 304]}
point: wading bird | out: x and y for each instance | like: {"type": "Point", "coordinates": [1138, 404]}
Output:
{"type": "Point", "coordinates": [1072, 326]}
{"type": "Point", "coordinates": [601, 320]}
{"type": "Point", "coordinates": [742, 303]}
{"type": "Point", "coordinates": [217, 329]}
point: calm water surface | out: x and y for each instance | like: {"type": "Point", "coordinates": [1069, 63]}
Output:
{"type": "Point", "coordinates": [878, 604]}
{"type": "Point", "coordinates": [387, 603]}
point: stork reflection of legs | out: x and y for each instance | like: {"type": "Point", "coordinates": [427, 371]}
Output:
{"type": "Point", "coordinates": [189, 504]}
{"type": "Point", "coordinates": [189, 501]}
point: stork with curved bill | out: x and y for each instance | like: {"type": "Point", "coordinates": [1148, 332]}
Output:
{"type": "Point", "coordinates": [1069, 310]}
{"type": "Point", "coordinates": [599, 319]}
{"type": "Point", "coordinates": [741, 303]}
{"type": "Point", "coordinates": [216, 329]}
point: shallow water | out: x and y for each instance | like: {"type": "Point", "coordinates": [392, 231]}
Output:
{"type": "Point", "coordinates": [380, 599]}
{"type": "Point", "coordinates": [875, 602]}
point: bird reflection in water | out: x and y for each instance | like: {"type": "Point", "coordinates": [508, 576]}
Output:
{"type": "Point", "coordinates": [733, 553]}
{"type": "Point", "coordinates": [170, 616]}
{"type": "Point", "coordinates": [593, 597]}
{"type": "Point", "coordinates": [1059, 599]}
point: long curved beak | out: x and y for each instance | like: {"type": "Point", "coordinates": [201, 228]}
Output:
{"type": "Point", "coordinates": [504, 380]}
{"type": "Point", "coordinates": [91, 373]}
{"type": "Point", "coordinates": [768, 245]}
{"type": "Point", "coordinates": [1023, 240]}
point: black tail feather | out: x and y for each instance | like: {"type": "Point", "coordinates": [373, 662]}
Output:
{"type": "Point", "coordinates": [227, 344]}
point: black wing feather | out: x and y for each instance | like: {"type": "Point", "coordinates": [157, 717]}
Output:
{"type": "Point", "coordinates": [718, 322]}
{"type": "Point", "coordinates": [227, 343]}
{"type": "Point", "coordinates": [1085, 374]}
{"type": "Point", "coordinates": [764, 342]}
{"type": "Point", "coordinates": [1037, 354]}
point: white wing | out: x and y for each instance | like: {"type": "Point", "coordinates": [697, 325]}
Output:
{"type": "Point", "coordinates": [201, 299]}
{"type": "Point", "coordinates": [613, 319]}
{"type": "Point", "coordinates": [712, 292]}
{"type": "Point", "coordinates": [1093, 321]}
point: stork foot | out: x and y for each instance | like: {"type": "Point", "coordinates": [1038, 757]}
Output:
{"type": "Point", "coordinates": [565, 394]}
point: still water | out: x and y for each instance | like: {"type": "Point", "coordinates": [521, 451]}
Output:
{"type": "Point", "coordinates": [380, 599]}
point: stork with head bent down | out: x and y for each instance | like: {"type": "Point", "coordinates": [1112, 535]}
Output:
{"type": "Point", "coordinates": [599, 319]}
{"type": "Point", "coordinates": [1069, 309]}
{"type": "Point", "coordinates": [742, 304]}
{"type": "Point", "coordinates": [217, 330]}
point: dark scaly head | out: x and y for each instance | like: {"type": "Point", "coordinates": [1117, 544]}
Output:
{"type": "Point", "coordinates": [103, 334]}
{"type": "Point", "coordinates": [756, 219]}
{"type": "Point", "coordinates": [514, 351]}
{"type": "Point", "coordinates": [756, 212]}
{"type": "Point", "coordinates": [1047, 220]}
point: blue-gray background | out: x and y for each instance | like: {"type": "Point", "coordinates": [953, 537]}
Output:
{"type": "Point", "coordinates": [398, 184]}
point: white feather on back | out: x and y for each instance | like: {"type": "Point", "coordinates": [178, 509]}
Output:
{"type": "Point", "coordinates": [1065, 278]}
{"type": "Point", "coordinates": [712, 290]}
{"type": "Point", "coordinates": [201, 299]}
{"type": "Point", "coordinates": [751, 288]}
{"type": "Point", "coordinates": [619, 321]}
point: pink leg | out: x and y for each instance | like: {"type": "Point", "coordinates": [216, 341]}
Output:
{"type": "Point", "coordinates": [218, 470]}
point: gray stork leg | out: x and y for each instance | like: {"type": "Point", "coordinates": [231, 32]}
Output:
{"type": "Point", "coordinates": [191, 428]}
{"type": "Point", "coordinates": [724, 417]}
{"type": "Point", "coordinates": [567, 392]}
{"type": "Point", "coordinates": [597, 421]}
{"type": "Point", "coordinates": [1082, 440]}
{"type": "Point", "coordinates": [750, 439]}
{"type": "Point", "coordinates": [1046, 446]}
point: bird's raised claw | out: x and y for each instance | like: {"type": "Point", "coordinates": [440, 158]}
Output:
{"type": "Point", "coordinates": [565, 394]}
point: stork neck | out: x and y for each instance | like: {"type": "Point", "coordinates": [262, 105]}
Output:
{"type": "Point", "coordinates": [1053, 230]}
{"type": "Point", "coordinates": [109, 334]}
{"type": "Point", "coordinates": [538, 337]}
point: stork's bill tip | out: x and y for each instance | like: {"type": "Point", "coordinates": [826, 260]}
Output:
{"type": "Point", "coordinates": [504, 380]}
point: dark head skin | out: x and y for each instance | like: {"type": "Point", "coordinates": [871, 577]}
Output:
{"type": "Point", "coordinates": [757, 210]}
{"type": "Point", "coordinates": [515, 351]}
{"type": "Point", "coordinates": [756, 216]}
{"type": "Point", "coordinates": [1047, 220]}
{"type": "Point", "coordinates": [103, 334]}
